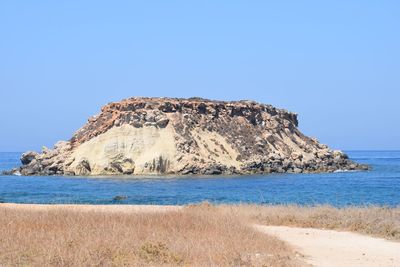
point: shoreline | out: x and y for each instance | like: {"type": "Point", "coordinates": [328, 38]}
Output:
{"type": "Point", "coordinates": [119, 207]}
{"type": "Point", "coordinates": [128, 208]}
{"type": "Point", "coordinates": [183, 176]}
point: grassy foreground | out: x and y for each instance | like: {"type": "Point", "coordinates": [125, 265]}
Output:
{"type": "Point", "coordinates": [199, 235]}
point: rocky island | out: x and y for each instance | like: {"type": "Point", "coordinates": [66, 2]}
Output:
{"type": "Point", "coordinates": [144, 136]}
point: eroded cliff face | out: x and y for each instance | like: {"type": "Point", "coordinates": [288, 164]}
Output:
{"type": "Point", "coordinates": [141, 136]}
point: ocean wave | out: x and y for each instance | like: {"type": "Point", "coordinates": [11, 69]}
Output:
{"type": "Point", "coordinates": [340, 170]}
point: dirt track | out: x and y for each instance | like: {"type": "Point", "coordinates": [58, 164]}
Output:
{"type": "Point", "coordinates": [333, 248]}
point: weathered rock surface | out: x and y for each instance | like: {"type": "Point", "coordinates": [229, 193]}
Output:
{"type": "Point", "coordinates": [140, 136]}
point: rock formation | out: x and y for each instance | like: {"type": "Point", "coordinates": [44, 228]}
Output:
{"type": "Point", "coordinates": [140, 136]}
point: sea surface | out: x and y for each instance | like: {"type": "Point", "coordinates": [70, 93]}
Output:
{"type": "Point", "coordinates": [380, 186]}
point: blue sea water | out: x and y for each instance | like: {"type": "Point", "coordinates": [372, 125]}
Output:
{"type": "Point", "coordinates": [380, 186]}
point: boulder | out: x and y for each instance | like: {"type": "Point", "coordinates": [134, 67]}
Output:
{"type": "Point", "coordinates": [83, 168]}
{"type": "Point", "coordinates": [162, 123]}
{"type": "Point", "coordinates": [27, 157]}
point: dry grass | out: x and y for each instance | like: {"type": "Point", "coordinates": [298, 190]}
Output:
{"type": "Point", "coordinates": [375, 221]}
{"type": "Point", "coordinates": [194, 236]}
{"type": "Point", "coordinates": [200, 235]}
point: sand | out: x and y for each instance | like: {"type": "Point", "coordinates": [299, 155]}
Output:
{"type": "Point", "coordinates": [333, 248]}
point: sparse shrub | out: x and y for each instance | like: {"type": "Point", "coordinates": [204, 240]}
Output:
{"type": "Point", "coordinates": [158, 253]}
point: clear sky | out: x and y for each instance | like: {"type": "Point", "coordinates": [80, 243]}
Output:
{"type": "Point", "coordinates": [335, 63]}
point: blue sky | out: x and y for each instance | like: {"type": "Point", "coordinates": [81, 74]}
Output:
{"type": "Point", "coordinates": [336, 63]}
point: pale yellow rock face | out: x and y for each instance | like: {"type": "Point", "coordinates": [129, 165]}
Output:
{"type": "Point", "coordinates": [214, 147]}
{"type": "Point", "coordinates": [142, 145]}
{"type": "Point", "coordinates": [145, 146]}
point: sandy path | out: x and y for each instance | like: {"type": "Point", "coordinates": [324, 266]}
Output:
{"type": "Point", "coordinates": [333, 248]}
{"type": "Point", "coordinates": [97, 208]}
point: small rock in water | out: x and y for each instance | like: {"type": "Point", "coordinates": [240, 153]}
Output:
{"type": "Point", "coordinates": [120, 198]}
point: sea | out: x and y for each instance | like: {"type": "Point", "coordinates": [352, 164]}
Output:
{"type": "Point", "coordinates": [379, 186]}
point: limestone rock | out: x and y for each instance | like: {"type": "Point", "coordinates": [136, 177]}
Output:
{"type": "Point", "coordinates": [141, 136]}
{"type": "Point", "coordinates": [83, 167]}
{"type": "Point", "coordinates": [27, 157]}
